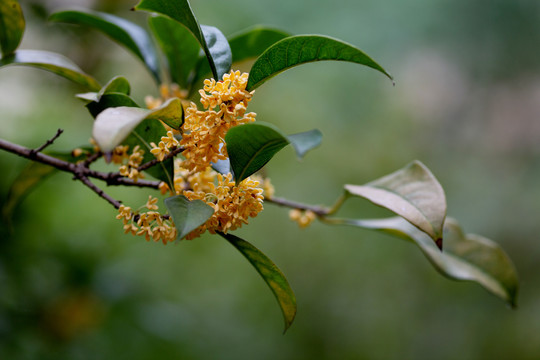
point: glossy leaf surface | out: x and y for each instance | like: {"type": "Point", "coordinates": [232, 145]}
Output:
{"type": "Point", "coordinates": [464, 257]}
{"type": "Point", "coordinates": [113, 125]}
{"type": "Point", "coordinates": [126, 33]}
{"type": "Point", "coordinates": [210, 41]}
{"type": "Point", "coordinates": [271, 274]}
{"type": "Point", "coordinates": [301, 49]}
{"type": "Point", "coordinates": [252, 42]}
{"type": "Point", "coordinates": [179, 46]}
{"type": "Point", "coordinates": [52, 62]}
{"type": "Point", "coordinates": [11, 26]}
{"type": "Point", "coordinates": [187, 215]}
{"type": "Point", "coordinates": [110, 100]}
{"type": "Point", "coordinates": [412, 193]}
{"type": "Point", "coordinates": [251, 146]}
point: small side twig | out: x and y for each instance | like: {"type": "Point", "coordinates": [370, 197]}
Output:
{"type": "Point", "coordinates": [173, 152]}
{"type": "Point", "coordinates": [97, 190]}
{"type": "Point", "coordinates": [92, 158]}
{"type": "Point", "coordinates": [49, 142]}
{"type": "Point", "coordinates": [318, 210]}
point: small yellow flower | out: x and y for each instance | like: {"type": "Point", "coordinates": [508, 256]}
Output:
{"type": "Point", "coordinates": [151, 204]}
{"type": "Point", "coordinates": [303, 217]}
{"type": "Point", "coordinates": [159, 151]}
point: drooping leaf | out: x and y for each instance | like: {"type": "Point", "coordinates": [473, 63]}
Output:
{"type": "Point", "coordinates": [301, 49]}
{"type": "Point", "coordinates": [271, 275]}
{"type": "Point", "coordinates": [148, 131]}
{"type": "Point", "coordinates": [11, 26]}
{"type": "Point", "coordinates": [110, 100]}
{"type": "Point", "coordinates": [412, 193]}
{"type": "Point", "coordinates": [212, 41]}
{"type": "Point", "coordinates": [464, 257]}
{"type": "Point", "coordinates": [113, 125]}
{"type": "Point", "coordinates": [251, 146]}
{"type": "Point", "coordinates": [305, 141]}
{"type": "Point", "coordinates": [179, 46]}
{"type": "Point", "coordinates": [252, 42]}
{"type": "Point", "coordinates": [187, 215]}
{"type": "Point", "coordinates": [126, 33]}
{"type": "Point", "coordinates": [52, 62]}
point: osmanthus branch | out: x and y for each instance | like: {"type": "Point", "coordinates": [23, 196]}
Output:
{"type": "Point", "coordinates": [80, 171]}
{"type": "Point", "coordinates": [172, 153]}
{"type": "Point", "coordinates": [318, 210]}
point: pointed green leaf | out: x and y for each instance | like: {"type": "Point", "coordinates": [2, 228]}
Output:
{"type": "Point", "coordinates": [52, 62]}
{"type": "Point", "coordinates": [301, 49]}
{"type": "Point", "coordinates": [464, 257]}
{"type": "Point", "coordinates": [251, 146]}
{"type": "Point", "coordinates": [305, 141]}
{"type": "Point", "coordinates": [126, 33]}
{"type": "Point", "coordinates": [187, 215]}
{"type": "Point", "coordinates": [179, 46]}
{"type": "Point", "coordinates": [110, 100]}
{"type": "Point", "coordinates": [412, 193]}
{"type": "Point", "coordinates": [117, 84]}
{"type": "Point", "coordinates": [212, 41]}
{"type": "Point", "coordinates": [252, 42]}
{"type": "Point", "coordinates": [113, 125]}
{"type": "Point", "coordinates": [11, 26]}
{"type": "Point", "coordinates": [271, 275]}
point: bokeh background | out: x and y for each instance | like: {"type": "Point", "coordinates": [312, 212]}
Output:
{"type": "Point", "coordinates": [466, 103]}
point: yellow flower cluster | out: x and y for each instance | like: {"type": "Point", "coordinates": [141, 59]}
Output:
{"type": "Point", "coordinates": [303, 217]}
{"type": "Point", "coordinates": [165, 145]}
{"type": "Point", "coordinates": [225, 104]}
{"type": "Point", "coordinates": [233, 203]}
{"type": "Point", "coordinates": [151, 224]}
{"type": "Point", "coordinates": [134, 160]}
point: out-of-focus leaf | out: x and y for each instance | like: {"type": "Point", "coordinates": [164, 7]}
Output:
{"type": "Point", "coordinates": [271, 275]}
{"type": "Point", "coordinates": [187, 215]}
{"type": "Point", "coordinates": [110, 100]}
{"type": "Point", "coordinates": [412, 193]}
{"type": "Point", "coordinates": [212, 41]}
{"type": "Point", "coordinates": [179, 46]}
{"type": "Point", "coordinates": [301, 49]}
{"type": "Point", "coordinates": [126, 33]}
{"type": "Point", "coordinates": [11, 26]}
{"type": "Point", "coordinates": [113, 125]}
{"type": "Point", "coordinates": [305, 141]}
{"type": "Point", "coordinates": [464, 257]}
{"type": "Point", "coordinates": [52, 62]}
{"type": "Point", "coordinates": [252, 42]}
{"type": "Point", "coordinates": [251, 146]}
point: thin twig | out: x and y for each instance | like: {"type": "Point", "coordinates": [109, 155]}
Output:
{"type": "Point", "coordinates": [92, 158]}
{"type": "Point", "coordinates": [319, 210]}
{"type": "Point", "coordinates": [47, 143]}
{"type": "Point", "coordinates": [98, 191]}
{"type": "Point", "coordinates": [173, 152]}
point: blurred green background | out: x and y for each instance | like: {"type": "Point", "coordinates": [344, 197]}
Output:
{"type": "Point", "coordinates": [466, 103]}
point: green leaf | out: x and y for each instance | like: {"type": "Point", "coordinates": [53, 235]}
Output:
{"type": "Point", "coordinates": [251, 43]}
{"type": "Point", "coordinates": [110, 100]}
{"type": "Point", "coordinates": [251, 146]}
{"type": "Point", "coordinates": [465, 256]}
{"type": "Point", "coordinates": [150, 130]}
{"type": "Point", "coordinates": [271, 275]}
{"type": "Point", "coordinates": [301, 49]}
{"type": "Point", "coordinates": [52, 62]}
{"type": "Point", "coordinates": [305, 141]}
{"type": "Point", "coordinates": [11, 26]}
{"type": "Point", "coordinates": [113, 125]}
{"type": "Point", "coordinates": [187, 215]}
{"type": "Point", "coordinates": [212, 41]}
{"type": "Point", "coordinates": [412, 193]}
{"type": "Point", "coordinates": [126, 33]}
{"type": "Point", "coordinates": [118, 85]}
{"type": "Point", "coordinates": [179, 46]}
